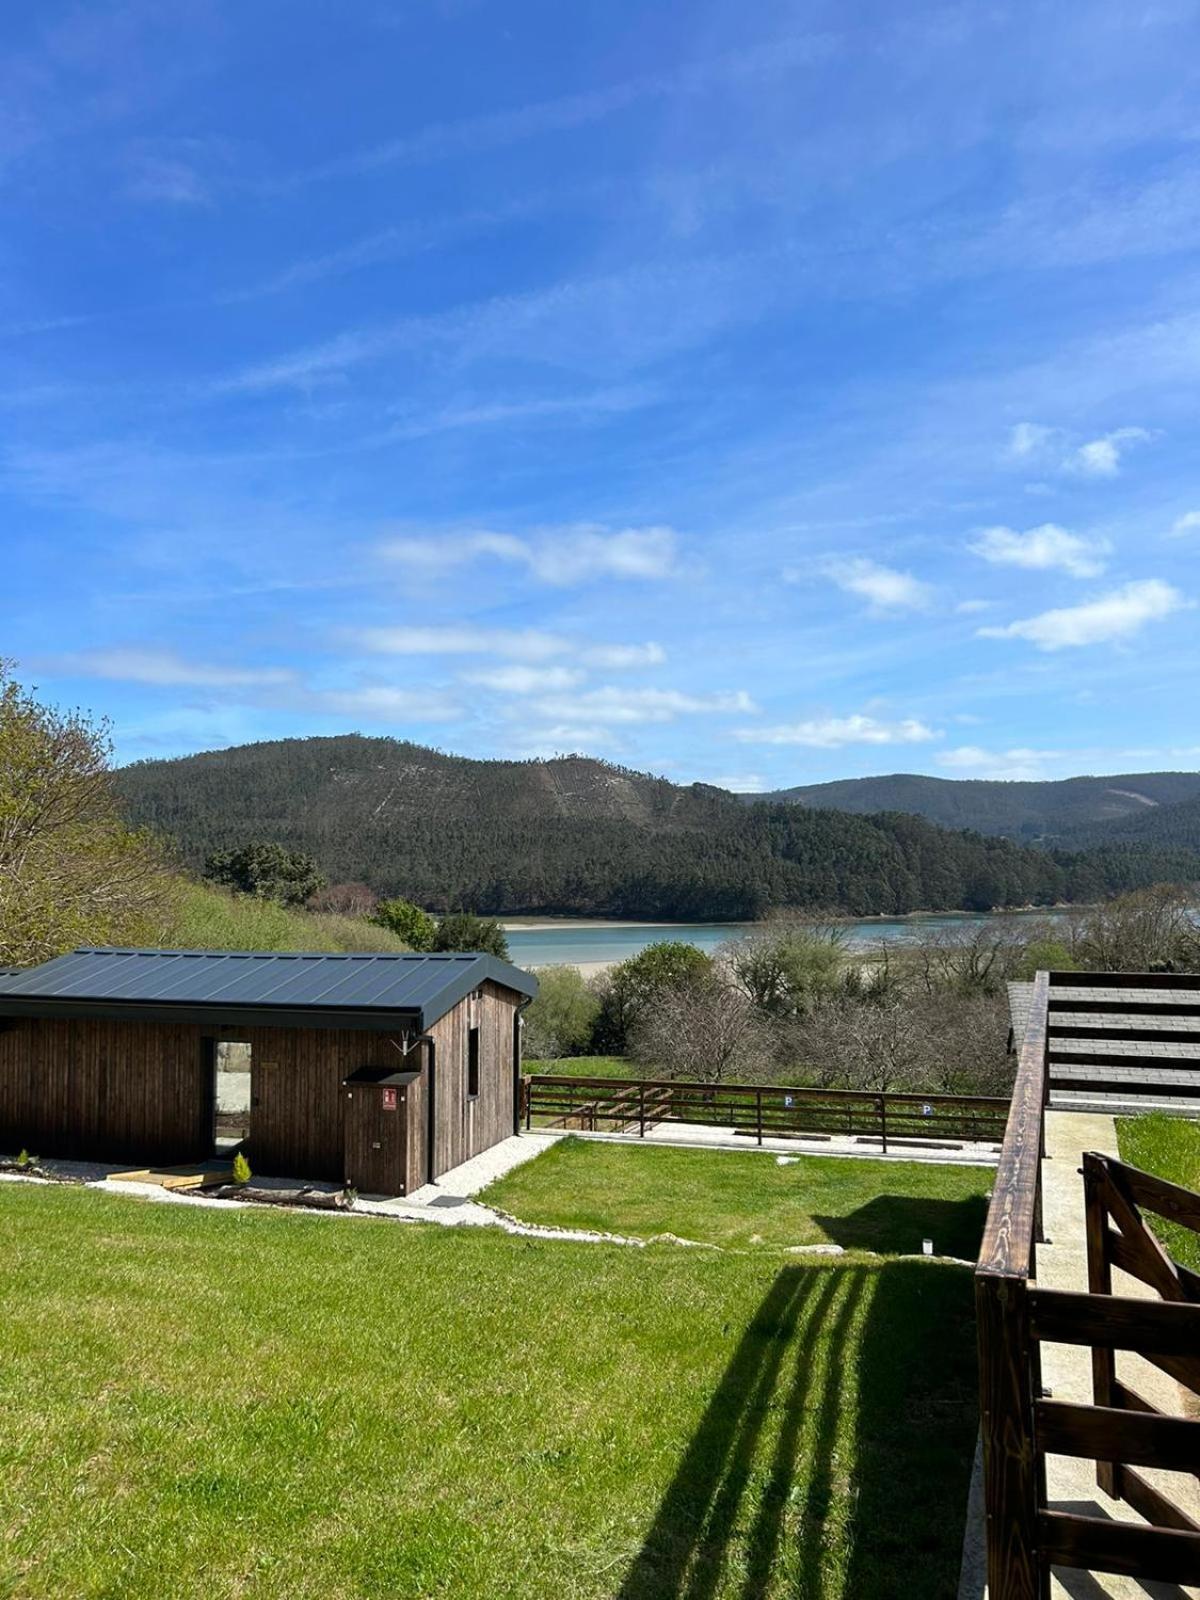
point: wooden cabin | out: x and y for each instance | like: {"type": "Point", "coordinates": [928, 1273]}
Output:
{"type": "Point", "coordinates": [378, 1071]}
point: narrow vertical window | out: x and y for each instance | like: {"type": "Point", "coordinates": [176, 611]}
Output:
{"type": "Point", "coordinates": [472, 1063]}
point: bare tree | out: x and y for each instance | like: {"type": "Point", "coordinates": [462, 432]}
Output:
{"type": "Point", "coordinates": [345, 900]}
{"type": "Point", "coordinates": [706, 1030]}
{"type": "Point", "coordinates": [1150, 930]}
{"type": "Point", "coordinates": [947, 1043]}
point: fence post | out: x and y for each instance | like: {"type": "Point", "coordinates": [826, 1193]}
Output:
{"type": "Point", "coordinates": [1104, 1364]}
{"type": "Point", "coordinates": [882, 1107]}
{"type": "Point", "coordinates": [642, 1109]}
{"type": "Point", "coordinates": [527, 1085]}
{"type": "Point", "coordinates": [1016, 1570]}
{"type": "Point", "coordinates": [758, 1100]}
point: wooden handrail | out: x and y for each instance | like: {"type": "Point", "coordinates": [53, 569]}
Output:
{"type": "Point", "coordinates": [1008, 1237]}
{"type": "Point", "coordinates": [1119, 1430]}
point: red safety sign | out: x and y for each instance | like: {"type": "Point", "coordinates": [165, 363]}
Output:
{"type": "Point", "coordinates": [389, 1099]}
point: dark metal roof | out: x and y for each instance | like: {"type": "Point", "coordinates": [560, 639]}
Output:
{"type": "Point", "coordinates": [285, 988]}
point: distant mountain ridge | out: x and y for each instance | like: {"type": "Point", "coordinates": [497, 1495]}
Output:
{"type": "Point", "coordinates": [1051, 809]}
{"type": "Point", "coordinates": [576, 835]}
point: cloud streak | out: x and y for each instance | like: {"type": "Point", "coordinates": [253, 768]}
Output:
{"type": "Point", "coordinates": [1109, 619]}
{"type": "Point", "coordinates": [1042, 549]}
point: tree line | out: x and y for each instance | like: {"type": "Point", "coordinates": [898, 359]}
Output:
{"type": "Point", "coordinates": [580, 838]}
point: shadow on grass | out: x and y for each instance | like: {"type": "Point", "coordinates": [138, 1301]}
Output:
{"type": "Point", "coordinates": [896, 1224]}
{"type": "Point", "coordinates": [808, 1479]}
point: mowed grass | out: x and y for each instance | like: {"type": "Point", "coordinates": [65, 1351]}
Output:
{"type": "Point", "coordinates": [1169, 1147]}
{"type": "Point", "coordinates": [232, 1403]}
{"type": "Point", "coordinates": [742, 1200]}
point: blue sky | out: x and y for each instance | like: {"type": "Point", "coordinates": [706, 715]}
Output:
{"type": "Point", "coordinates": [754, 394]}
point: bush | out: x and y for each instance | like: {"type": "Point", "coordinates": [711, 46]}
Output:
{"type": "Point", "coordinates": [268, 872]}
{"type": "Point", "coordinates": [703, 1029]}
{"type": "Point", "coordinates": [462, 930]}
{"type": "Point", "coordinates": [785, 969]}
{"type": "Point", "coordinates": [408, 922]}
{"type": "Point", "coordinates": [1151, 930]}
{"type": "Point", "coordinates": [560, 1021]}
{"type": "Point", "coordinates": [633, 988]}
{"type": "Point", "coordinates": [241, 1169]}
{"type": "Point", "coordinates": [203, 917]}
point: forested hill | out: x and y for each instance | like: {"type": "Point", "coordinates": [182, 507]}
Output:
{"type": "Point", "coordinates": [1171, 826]}
{"type": "Point", "coordinates": [1052, 810]}
{"type": "Point", "coordinates": [578, 836]}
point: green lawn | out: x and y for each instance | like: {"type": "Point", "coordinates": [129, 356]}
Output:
{"type": "Point", "coordinates": [734, 1199]}
{"type": "Point", "coordinates": [241, 1404]}
{"type": "Point", "coordinates": [1170, 1147]}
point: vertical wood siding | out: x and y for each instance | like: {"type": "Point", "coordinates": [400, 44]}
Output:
{"type": "Point", "coordinates": [108, 1091]}
{"type": "Point", "coordinates": [464, 1126]}
{"type": "Point", "coordinates": [141, 1091]}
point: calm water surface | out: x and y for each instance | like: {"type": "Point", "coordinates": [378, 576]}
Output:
{"type": "Point", "coordinates": [541, 947]}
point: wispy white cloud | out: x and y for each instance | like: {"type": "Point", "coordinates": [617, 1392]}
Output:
{"type": "Point", "coordinates": [1029, 439]}
{"type": "Point", "coordinates": [619, 656]}
{"type": "Point", "coordinates": [518, 679]}
{"type": "Point", "coordinates": [513, 644]}
{"type": "Point", "coordinates": [386, 704]}
{"type": "Point", "coordinates": [972, 761]}
{"type": "Point", "coordinates": [1042, 549]}
{"type": "Point", "coordinates": [165, 668]}
{"type": "Point", "coordinates": [1188, 523]}
{"type": "Point", "coordinates": [831, 733]}
{"type": "Point", "coordinates": [531, 646]}
{"type": "Point", "coordinates": [612, 706]}
{"type": "Point", "coordinates": [1101, 458]}
{"type": "Point", "coordinates": [882, 587]}
{"type": "Point", "coordinates": [1109, 618]}
{"type": "Point", "coordinates": [559, 556]}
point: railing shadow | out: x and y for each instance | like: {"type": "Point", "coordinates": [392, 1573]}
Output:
{"type": "Point", "coordinates": [781, 1491]}
{"type": "Point", "coordinates": [896, 1224]}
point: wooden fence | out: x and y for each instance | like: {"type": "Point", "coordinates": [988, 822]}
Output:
{"type": "Point", "coordinates": [766, 1111]}
{"type": "Point", "coordinates": [1120, 1431]}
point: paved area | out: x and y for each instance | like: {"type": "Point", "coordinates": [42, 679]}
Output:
{"type": "Point", "coordinates": [707, 1137]}
{"type": "Point", "coordinates": [1067, 1374]}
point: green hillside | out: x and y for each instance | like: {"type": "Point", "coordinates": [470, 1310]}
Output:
{"type": "Point", "coordinates": [578, 836]}
{"type": "Point", "coordinates": [1055, 809]}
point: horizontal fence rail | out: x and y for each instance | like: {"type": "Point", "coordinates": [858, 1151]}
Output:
{"type": "Point", "coordinates": [758, 1112]}
{"type": "Point", "coordinates": [1120, 1431]}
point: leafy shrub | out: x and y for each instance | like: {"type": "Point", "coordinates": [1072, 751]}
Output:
{"type": "Point", "coordinates": [408, 922]}
{"type": "Point", "coordinates": [241, 1169]}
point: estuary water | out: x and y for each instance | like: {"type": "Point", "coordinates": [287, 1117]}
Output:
{"type": "Point", "coordinates": [574, 943]}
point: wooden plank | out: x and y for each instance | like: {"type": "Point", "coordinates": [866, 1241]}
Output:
{"type": "Point", "coordinates": [1010, 1467]}
{"type": "Point", "coordinates": [1138, 1243]}
{"type": "Point", "coordinates": [1133, 1262]}
{"type": "Point", "coordinates": [1111, 1433]}
{"type": "Point", "coordinates": [1159, 1195]}
{"type": "Point", "coordinates": [1095, 1544]}
{"type": "Point", "coordinates": [1115, 1322]}
{"type": "Point", "coordinates": [1155, 1507]}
